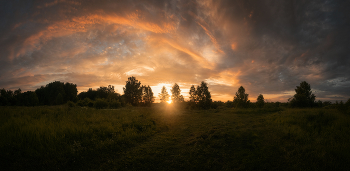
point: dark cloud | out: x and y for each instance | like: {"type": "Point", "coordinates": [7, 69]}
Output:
{"type": "Point", "coordinates": [268, 46]}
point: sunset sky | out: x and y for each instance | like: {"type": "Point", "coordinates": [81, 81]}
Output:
{"type": "Point", "coordinates": [268, 47]}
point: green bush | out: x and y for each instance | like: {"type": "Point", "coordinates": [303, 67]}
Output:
{"type": "Point", "coordinates": [70, 104]}
{"type": "Point", "coordinates": [114, 104]}
{"type": "Point", "coordinates": [91, 103]}
{"type": "Point", "coordinates": [100, 104]}
{"type": "Point", "coordinates": [85, 102]}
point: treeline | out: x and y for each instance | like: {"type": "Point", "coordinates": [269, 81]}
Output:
{"type": "Point", "coordinates": [135, 94]}
{"type": "Point", "coordinates": [54, 93]}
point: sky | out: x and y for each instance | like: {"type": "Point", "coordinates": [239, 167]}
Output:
{"type": "Point", "coordinates": [267, 46]}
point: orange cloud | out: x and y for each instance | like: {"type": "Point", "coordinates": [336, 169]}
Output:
{"type": "Point", "coordinates": [212, 38]}
{"type": "Point", "coordinates": [81, 24]}
{"type": "Point", "coordinates": [233, 46]}
{"type": "Point", "coordinates": [137, 21]}
{"type": "Point", "coordinates": [194, 55]}
{"type": "Point", "coordinates": [204, 25]}
{"type": "Point", "coordinates": [59, 1]}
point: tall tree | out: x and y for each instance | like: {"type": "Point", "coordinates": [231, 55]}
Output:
{"type": "Point", "coordinates": [260, 102]}
{"type": "Point", "coordinates": [241, 98]}
{"type": "Point", "coordinates": [163, 95]}
{"type": "Point", "coordinates": [71, 92]}
{"type": "Point", "coordinates": [303, 96]}
{"type": "Point", "coordinates": [132, 91]}
{"type": "Point", "coordinates": [193, 94]}
{"type": "Point", "coordinates": [147, 95]}
{"type": "Point", "coordinates": [176, 94]}
{"type": "Point", "coordinates": [29, 98]}
{"type": "Point", "coordinates": [48, 95]}
{"type": "Point", "coordinates": [204, 97]}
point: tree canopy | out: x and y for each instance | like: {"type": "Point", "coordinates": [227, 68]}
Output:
{"type": "Point", "coordinates": [241, 98]}
{"type": "Point", "coordinates": [203, 95]}
{"type": "Point", "coordinates": [303, 96]}
{"type": "Point", "coordinates": [57, 93]}
{"type": "Point", "coordinates": [176, 94]}
{"type": "Point", "coordinates": [133, 91]}
{"type": "Point", "coordinates": [260, 102]}
{"type": "Point", "coordinates": [163, 95]}
{"type": "Point", "coordinates": [193, 94]}
{"type": "Point", "coordinates": [147, 95]}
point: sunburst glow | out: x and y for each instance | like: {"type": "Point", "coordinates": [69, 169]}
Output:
{"type": "Point", "coordinates": [169, 102]}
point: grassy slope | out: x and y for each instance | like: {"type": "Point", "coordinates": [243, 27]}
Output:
{"type": "Point", "coordinates": [165, 138]}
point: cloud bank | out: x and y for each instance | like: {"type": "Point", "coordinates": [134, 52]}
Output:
{"type": "Point", "coordinates": [268, 46]}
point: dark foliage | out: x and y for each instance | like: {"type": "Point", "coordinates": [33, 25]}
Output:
{"type": "Point", "coordinates": [147, 96]}
{"type": "Point", "coordinates": [10, 98]}
{"type": "Point", "coordinates": [57, 93]}
{"type": "Point", "coordinates": [200, 97]}
{"type": "Point", "coordinates": [260, 102]}
{"type": "Point", "coordinates": [176, 96]}
{"type": "Point", "coordinates": [102, 92]}
{"type": "Point", "coordinates": [70, 104]}
{"type": "Point", "coordinates": [163, 95]}
{"type": "Point", "coordinates": [133, 91]}
{"type": "Point", "coordinates": [241, 99]}
{"type": "Point", "coordinates": [100, 104]}
{"type": "Point", "coordinates": [85, 102]}
{"type": "Point", "coordinates": [303, 96]}
{"type": "Point", "coordinates": [204, 96]}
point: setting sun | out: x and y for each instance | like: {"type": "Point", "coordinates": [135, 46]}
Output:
{"type": "Point", "coordinates": [169, 102]}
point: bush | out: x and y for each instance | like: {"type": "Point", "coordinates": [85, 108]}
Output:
{"type": "Point", "coordinates": [85, 102]}
{"type": "Point", "coordinates": [91, 103]}
{"type": "Point", "coordinates": [100, 104]}
{"type": "Point", "coordinates": [70, 104]}
{"type": "Point", "coordinates": [113, 104]}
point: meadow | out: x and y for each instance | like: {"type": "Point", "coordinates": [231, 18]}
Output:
{"type": "Point", "coordinates": [168, 137]}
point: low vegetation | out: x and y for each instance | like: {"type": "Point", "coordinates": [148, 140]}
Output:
{"type": "Point", "coordinates": [169, 137]}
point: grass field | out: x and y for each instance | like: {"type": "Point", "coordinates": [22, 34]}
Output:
{"type": "Point", "coordinates": [171, 138]}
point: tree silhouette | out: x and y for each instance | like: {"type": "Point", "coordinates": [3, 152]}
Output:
{"type": "Point", "coordinates": [59, 99]}
{"type": "Point", "coordinates": [48, 95]}
{"type": "Point", "coordinates": [193, 94]}
{"type": "Point", "coordinates": [241, 99]}
{"type": "Point", "coordinates": [71, 92]}
{"type": "Point", "coordinates": [303, 96]}
{"type": "Point", "coordinates": [132, 91]}
{"type": "Point", "coordinates": [203, 96]}
{"type": "Point", "coordinates": [260, 102]}
{"type": "Point", "coordinates": [29, 98]}
{"type": "Point", "coordinates": [163, 95]}
{"type": "Point", "coordinates": [6, 97]}
{"type": "Point", "coordinates": [147, 95]}
{"type": "Point", "coordinates": [176, 94]}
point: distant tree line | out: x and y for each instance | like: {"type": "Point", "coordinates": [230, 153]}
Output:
{"type": "Point", "coordinates": [57, 93]}
{"type": "Point", "coordinates": [135, 94]}
{"type": "Point", "coordinates": [54, 93]}
{"type": "Point", "coordinates": [17, 98]}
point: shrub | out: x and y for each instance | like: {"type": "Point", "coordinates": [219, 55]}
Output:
{"type": "Point", "coordinates": [70, 104]}
{"type": "Point", "coordinates": [113, 104]}
{"type": "Point", "coordinates": [85, 102]}
{"type": "Point", "coordinates": [100, 104]}
{"type": "Point", "coordinates": [90, 103]}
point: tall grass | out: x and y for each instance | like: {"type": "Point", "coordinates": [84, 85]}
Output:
{"type": "Point", "coordinates": [167, 137]}
{"type": "Point", "coordinates": [318, 136]}
{"type": "Point", "coordinates": [42, 137]}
